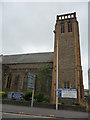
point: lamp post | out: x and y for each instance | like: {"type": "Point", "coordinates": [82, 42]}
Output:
{"type": "Point", "coordinates": [57, 80]}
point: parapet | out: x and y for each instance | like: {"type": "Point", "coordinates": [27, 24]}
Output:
{"type": "Point", "coordinates": [66, 16]}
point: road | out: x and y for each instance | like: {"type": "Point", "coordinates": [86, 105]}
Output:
{"type": "Point", "coordinates": [19, 115]}
{"type": "Point", "coordinates": [13, 111]}
{"type": "Point", "coordinates": [32, 117]}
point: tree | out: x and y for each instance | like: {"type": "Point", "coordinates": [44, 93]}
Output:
{"type": "Point", "coordinates": [44, 78]}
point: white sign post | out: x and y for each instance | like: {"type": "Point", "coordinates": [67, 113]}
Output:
{"type": "Point", "coordinates": [31, 85]}
{"type": "Point", "coordinates": [32, 98]}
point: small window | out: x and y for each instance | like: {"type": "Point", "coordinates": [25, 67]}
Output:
{"type": "Point", "coordinates": [62, 17]}
{"type": "Point", "coordinates": [72, 16]}
{"type": "Point", "coordinates": [65, 17]}
{"type": "Point", "coordinates": [62, 28]}
{"type": "Point", "coordinates": [68, 16]}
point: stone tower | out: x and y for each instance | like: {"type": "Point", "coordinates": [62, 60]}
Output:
{"type": "Point", "coordinates": [69, 59]}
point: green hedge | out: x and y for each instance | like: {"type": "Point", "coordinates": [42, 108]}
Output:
{"type": "Point", "coordinates": [27, 95]}
{"type": "Point", "coordinates": [40, 97]}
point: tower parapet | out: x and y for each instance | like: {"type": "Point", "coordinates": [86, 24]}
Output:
{"type": "Point", "coordinates": [66, 16]}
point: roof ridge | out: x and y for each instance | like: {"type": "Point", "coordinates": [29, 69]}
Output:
{"type": "Point", "coordinates": [29, 58]}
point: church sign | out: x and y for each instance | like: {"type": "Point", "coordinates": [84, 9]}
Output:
{"type": "Point", "coordinates": [15, 95]}
{"type": "Point", "coordinates": [67, 93]}
{"type": "Point", "coordinates": [31, 81]}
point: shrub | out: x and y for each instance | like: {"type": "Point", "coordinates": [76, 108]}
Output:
{"type": "Point", "coordinates": [3, 94]}
{"type": "Point", "coordinates": [14, 99]}
{"type": "Point", "coordinates": [35, 97]}
{"type": "Point", "coordinates": [46, 99]}
{"type": "Point", "coordinates": [62, 102]}
{"type": "Point", "coordinates": [40, 97]}
{"type": "Point", "coordinates": [22, 99]}
{"type": "Point", "coordinates": [0, 94]}
{"type": "Point", "coordinates": [27, 95]}
{"type": "Point", "coordinates": [35, 101]}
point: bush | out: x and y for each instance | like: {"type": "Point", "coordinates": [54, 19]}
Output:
{"type": "Point", "coordinates": [62, 102]}
{"type": "Point", "coordinates": [3, 94]}
{"type": "Point", "coordinates": [22, 99]}
{"type": "Point", "coordinates": [27, 95]}
{"type": "Point", "coordinates": [0, 95]}
{"type": "Point", "coordinates": [14, 99]}
{"type": "Point", "coordinates": [35, 97]}
{"type": "Point", "coordinates": [40, 97]}
{"type": "Point", "coordinates": [46, 99]}
{"type": "Point", "coordinates": [35, 101]}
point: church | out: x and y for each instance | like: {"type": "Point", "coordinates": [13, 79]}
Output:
{"type": "Point", "coordinates": [17, 68]}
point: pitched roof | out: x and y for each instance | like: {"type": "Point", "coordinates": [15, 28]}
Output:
{"type": "Point", "coordinates": [28, 58]}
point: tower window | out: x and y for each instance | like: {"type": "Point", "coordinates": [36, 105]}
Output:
{"type": "Point", "coordinates": [69, 27]}
{"type": "Point", "coordinates": [62, 28]}
{"type": "Point", "coordinates": [66, 85]}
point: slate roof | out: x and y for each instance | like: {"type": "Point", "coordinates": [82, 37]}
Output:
{"type": "Point", "coordinates": [28, 58]}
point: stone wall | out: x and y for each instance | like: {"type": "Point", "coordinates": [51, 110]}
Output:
{"type": "Point", "coordinates": [19, 72]}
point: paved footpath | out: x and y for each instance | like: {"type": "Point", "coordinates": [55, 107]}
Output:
{"type": "Point", "coordinates": [44, 112]}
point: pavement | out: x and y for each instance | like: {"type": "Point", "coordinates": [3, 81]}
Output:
{"type": "Point", "coordinates": [61, 114]}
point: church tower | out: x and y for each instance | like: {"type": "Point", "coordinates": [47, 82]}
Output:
{"type": "Point", "coordinates": [69, 59]}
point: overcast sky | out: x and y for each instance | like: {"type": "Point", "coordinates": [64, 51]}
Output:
{"type": "Point", "coordinates": [28, 28]}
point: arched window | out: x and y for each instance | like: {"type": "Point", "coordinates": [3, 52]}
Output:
{"type": "Point", "coordinates": [9, 82]}
{"type": "Point", "coordinates": [16, 81]}
{"type": "Point", "coordinates": [25, 83]}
